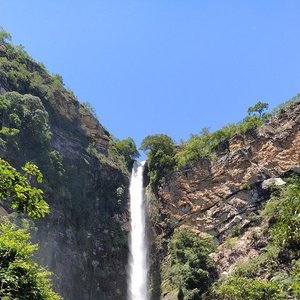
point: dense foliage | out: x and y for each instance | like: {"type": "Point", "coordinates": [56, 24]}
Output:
{"type": "Point", "coordinates": [243, 288]}
{"type": "Point", "coordinates": [25, 112]}
{"type": "Point", "coordinates": [284, 209]}
{"type": "Point", "coordinates": [205, 144]}
{"type": "Point", "coordinates": [128, 150]}
{"type": "Point", "coordinates": [24, 125]}
{"type": "Point", "coordinates": [190, 268]}
{"type": "Point", "coordinates": [15, 189]}
{"type": "Point", "coordinates": [164, 157]}
{"type": "Point", "coordinates": [160, 150]}
{"type": "Point", "coordinates": [258, 109]}
{"type": "Point", "coordinates": [20, 276]}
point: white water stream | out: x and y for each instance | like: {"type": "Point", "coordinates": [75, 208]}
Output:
{"type": "Point", "coordinates": [137, 285]}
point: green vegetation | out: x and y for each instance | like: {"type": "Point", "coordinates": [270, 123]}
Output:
{"type": "Point", "coordinates": [36, 121]}
{"type": "Point", "coordinates": [24, 124]}
{"type": "Point", "coordinates": [20, 276]}
{"type": "Point", "coordinates": [16, 190]}
{"type": "Point", "coordinates": [160, 150]}
{"type": "Point", "coordinates": [190, 268]}
{"type": "Point", "coordinates": [284, 209]}
{"type": "Point", "coordinates": [205, 144]}
{"type": "Point", "coordinates": [27, 112]}
{"type": "Point", "coordinates": [243, 288]}
{"type": "Point", "coordinates": [164, 157]}
{"type": "Point", "coordinates": [275, 273]}
{"type": "Point", "coordinates": [286, 104]}
{"type": "Point", "coordinates": [128, 150]}
{"type": "Point", "coordinates": [259, 109]}
{"type": "Point", "coordinates": [121, 153]}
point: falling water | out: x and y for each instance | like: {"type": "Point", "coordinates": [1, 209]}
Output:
{"type": "Point", "coordinates": [138, 249]}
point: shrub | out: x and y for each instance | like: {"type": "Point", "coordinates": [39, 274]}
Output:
{"type": "Point", "coordinates": [15, 189]}
{"type": "Point", "coordinates": [190, 267]}
{"type": "Point", "coordinates": [284, 209]}
{"type": "Point", "coordinates": [205, 144]}
{"type": "Point", "coordinates": [128, 150]}
{"type": "Point", "coordinates": [160, 150]}
{"type": "Point", "coordinates": [243, 288]}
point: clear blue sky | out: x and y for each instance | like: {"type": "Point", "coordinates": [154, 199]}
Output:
{"type": "Point", "coordinates": [164, 66]}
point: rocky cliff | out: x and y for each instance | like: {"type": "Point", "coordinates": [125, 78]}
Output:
{"type": "Point", "coordinates": [214, 195]}
{"type": "Point", "coordinates": [222, 195]}
{"type": "Point", "coordinates": [84, 240]}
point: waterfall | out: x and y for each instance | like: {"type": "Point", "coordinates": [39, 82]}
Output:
{"type": "Point", "coordinates": [138, 259]}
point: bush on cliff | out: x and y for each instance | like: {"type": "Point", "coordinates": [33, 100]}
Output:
{"type": "Point", "coordinates": [190, 268]}
{"type": "Point", "coordinates": [128, 150]}
{"type": "Point", "coordinates": [284, 212]}
{"type": "Point", "coordinates": [243, 288]}
{"type": "Point", "coordinates": [160, 150]}
{"type": "Point", "coordinates": [205, 144]}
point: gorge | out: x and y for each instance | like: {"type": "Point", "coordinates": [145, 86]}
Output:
{"type": "Point", "coordinates": [222, 208]}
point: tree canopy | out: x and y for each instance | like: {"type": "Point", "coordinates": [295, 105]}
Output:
{"type": "Point", "coordinates": [160, 150]}
{"type": "Point", "coordinates": [258, 108]}
{"type": "Point", "coordinates": [127, 148]}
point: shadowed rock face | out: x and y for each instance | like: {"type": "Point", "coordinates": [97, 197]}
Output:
{"type": "Point", "coordinates": [212, 196]}
{"type": "Point", "coordinates": [84, 239]}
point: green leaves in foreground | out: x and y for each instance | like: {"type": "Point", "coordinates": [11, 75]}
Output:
{"type": "Point", "coordinates": [20, 276]}
{"type": "Point", "coordinates": [17, 191]}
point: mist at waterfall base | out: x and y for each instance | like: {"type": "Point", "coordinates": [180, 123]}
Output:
{"type": "Point", "coordinates": [138, 269]}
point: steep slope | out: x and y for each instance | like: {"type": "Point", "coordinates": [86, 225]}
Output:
{"type": "Point", "coordinates": [84, 240]}
{"type": "Point", "coordinates": [223, 197]}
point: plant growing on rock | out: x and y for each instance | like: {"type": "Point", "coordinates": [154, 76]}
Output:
{"type": "Point", "coordinates": [259, 109]}
{"type": "Point", "coordinates": [128, 150]}
{"type": "Point", "coordinates": [160, 150]}
{"type": "Point", "coordinates": [190, 268]}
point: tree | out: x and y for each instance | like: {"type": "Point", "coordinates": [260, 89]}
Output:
{"type": "Point", "coordinates": [15, 189]}
{"type": "Point", "coordinates": [20, 276]}
{"type": "Point", "coordinates": [160, 150]}
{"type": "Point", "coordinates": [127, 148]}
{"type": "Point", "coordinates": [258, 108]}
{"type": "Point", "coordinates": [190, 267]}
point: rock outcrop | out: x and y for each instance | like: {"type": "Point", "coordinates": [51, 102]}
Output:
{"type": "Point", "coordinates": [214, 195]}
{"type": "Point", "coordinates": [222, 197]}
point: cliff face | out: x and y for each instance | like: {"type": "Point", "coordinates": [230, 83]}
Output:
{"type": "Point", "coordinates": [218, 197]}
{"type": "Point", "coordinates": [84, 240]}
{"type": "Point", "coordinates": [212, 196]}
